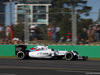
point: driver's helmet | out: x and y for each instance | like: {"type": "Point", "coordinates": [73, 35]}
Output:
{"type": "Point", "coordinates": [46, 44]}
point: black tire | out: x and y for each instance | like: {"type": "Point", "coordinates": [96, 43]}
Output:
{"type": "Point", "coordinates": [85, 58]}
{"type": "Point", "coordinates": [75, 57]}
{"type": "Point", "coordinates": [27, 54]}
{"type": "Point", "coordinates": [21, 55]}
{"type": "Point", "coordinates": [69, 56]}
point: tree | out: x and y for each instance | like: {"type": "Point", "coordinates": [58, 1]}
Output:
{"type": "Point", "coordinates": [41, 32]}
{"type": "Point", "coordinates": [19, 31]}
{"type": "Point", "coordinates": [61, 19]}
{"type": "Point", "coordinates": [60, 13]}
{"type": "Point", "coordinates": [82, 26]}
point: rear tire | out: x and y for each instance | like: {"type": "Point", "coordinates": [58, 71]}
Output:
{"type": "Point", "coordinates": [69, 56]}
{"type": "Point", "coordinates": [20, 55]}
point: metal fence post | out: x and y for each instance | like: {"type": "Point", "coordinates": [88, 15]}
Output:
{"type": "Point", "coordinates": [74, 26]}
{"type": "Point", "coordinates": [26, 27]}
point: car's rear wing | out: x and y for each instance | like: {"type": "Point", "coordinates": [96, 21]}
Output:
{"type": "Point", "coordinates": [20, 48]}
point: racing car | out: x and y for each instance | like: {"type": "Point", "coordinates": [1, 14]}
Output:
{"type": "Point", "coordinates": [45, 52]}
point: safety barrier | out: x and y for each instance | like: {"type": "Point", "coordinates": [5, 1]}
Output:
{"type": "Point", "coordinates": [7, 50]}
{"type": "Point", "coordinates": [90, 51]}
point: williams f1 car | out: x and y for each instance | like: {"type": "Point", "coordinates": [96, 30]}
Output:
{"type": "Point", "coordinates": [45, 52]}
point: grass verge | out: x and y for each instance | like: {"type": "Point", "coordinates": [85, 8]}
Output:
{"type": "Point", "coordinates": [14, 57]}
{"type": "Point", "coordinates": [7, 56]}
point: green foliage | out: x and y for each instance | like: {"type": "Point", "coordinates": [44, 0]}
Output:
{"type": "Point", "coordinates": [83, 24]}
{"type": "Point", "coordinates": [60, 17]}
{"type": "Point", "coordinates": [41, 32]}
{"type": "Point", "coordinates": [62, 20]}
{"type": "Point", "coordinates": [19, 31]}
{"type": "Point", "coordinates": [65, 25]}
{"type": "Point", "coordinates": [2, 34]}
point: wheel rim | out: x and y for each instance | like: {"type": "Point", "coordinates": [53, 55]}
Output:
{"type": "Point", "coordinates": [69, 56]}
{"type": "Point", "coordinates": [20, 55]}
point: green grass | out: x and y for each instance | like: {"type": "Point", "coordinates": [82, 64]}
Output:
{"type": "Point", "coordinates": [7, 56]}
{"type": "Point", "coordinates": [93, 58]}
{"type": "Point", "coordinates": [14, 57]}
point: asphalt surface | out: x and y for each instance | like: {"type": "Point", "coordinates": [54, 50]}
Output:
{"type": "Point", "coordinates": [48, 67]}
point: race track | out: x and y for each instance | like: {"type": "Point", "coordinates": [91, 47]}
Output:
{"type": "Point", "coordinates": [13, 66]}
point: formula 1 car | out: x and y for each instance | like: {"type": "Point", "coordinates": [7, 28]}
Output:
{"type": "Point", "coordinates": [45, 52]}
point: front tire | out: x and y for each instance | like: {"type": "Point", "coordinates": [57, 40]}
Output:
{"type": "Point", "coordinates": [69, 56]}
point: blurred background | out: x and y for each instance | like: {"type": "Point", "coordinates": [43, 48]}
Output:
{"type": "Point", "coordinates": [69, 22]}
